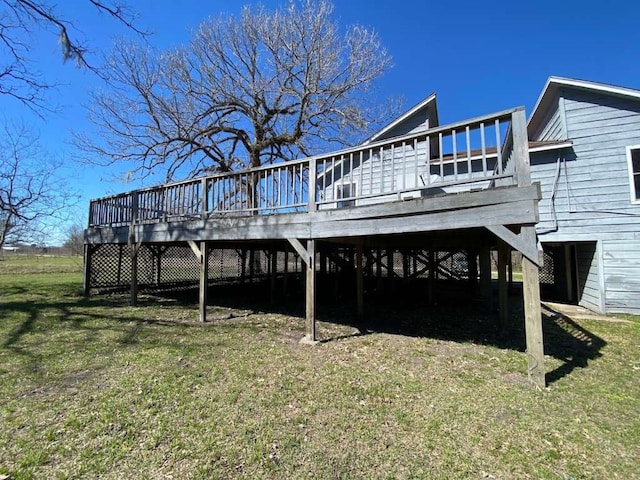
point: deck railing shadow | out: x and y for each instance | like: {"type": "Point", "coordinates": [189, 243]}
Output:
{"type": "Point", "coordinates": [569, 342]}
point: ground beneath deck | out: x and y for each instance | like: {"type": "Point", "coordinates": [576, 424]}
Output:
{"type": "Point", "coordinates": [463, 319]}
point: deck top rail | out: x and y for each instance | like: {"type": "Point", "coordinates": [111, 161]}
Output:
{"type": "Point", "coordinates": [476, 154]}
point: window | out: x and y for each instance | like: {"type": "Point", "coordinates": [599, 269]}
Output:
{"type": "Point", "coordinates": [633, 157]}
{"type": "Point", "coordinates": [348, 191]}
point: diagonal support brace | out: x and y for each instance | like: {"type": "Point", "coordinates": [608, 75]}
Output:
{"type": "Point", "coordinates": [299, 248]}
{"type": "Point", "coordinates": [194, 247]}
{"type": "Point", "coordinates": [527, 248]}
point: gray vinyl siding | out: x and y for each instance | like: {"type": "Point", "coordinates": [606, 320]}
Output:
{"type": "Point", "coordinates": [589, 292]}
{"type": "Point", "coordinates": [544, 169]}
{"type": "Point", "coordinates": [552, 127]}
{"type": "Point", "coordinates": [621, 267]}
{"type": "Point", "coordinates": [592, 198]}
{"type": "Point", "coordinates": [413, 124]}
{"type": "Point", "coordinates": [404, 168]}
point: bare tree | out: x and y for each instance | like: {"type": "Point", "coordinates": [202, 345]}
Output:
{"type": "Point", "coordinates": [249, 90]}
{"type": "Point", "coordinates": [19, 77]}
{"type": "Point", "coordinates": [32, 190]}
{"type": "Point", "coordinates": [75, 239]}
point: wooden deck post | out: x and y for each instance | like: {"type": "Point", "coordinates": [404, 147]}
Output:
{"type": "Point", "coordinates": [359, 279]}
{"type": "Point", "coordinates": [313, 172]}
{"type": "Point", "coordinates": [379, 281]}
{"type": "Point", "coordinates": [405, 264]}
{"type": "Point", "coordinates": [252, 264]}
{"type": "Point", "coordinates": [134, 247]}
{"type": "Point", "coordinates": [530, 271]}
{"type": "Point", "coordinates": [390, 268]}
{"type": "Point", "coordinates": [274, 274]}
{"type": "Point", "coordinates": [159, 255]}
{"type": "Point", "coordinates": [86, 269]}
{"type": "Point", "coordinates": [432, 276]}
{"type": "Point", "coordinates": [133, 301]}
{"type": "Point", "coordinates": [285, 278]}
{"type": "Point", "coordinates": [503, 290]}
{"type": "Point", "coordinates": [472, 262]}
{"type": "Point", "coordinates": [485, 276]}
{"type": "Point", "coordinates": [533, 315]}
{"type": "Point", "coordinates": [311, 290]}
{"type": "Point", "coordinates": [119, 270]}
{"type": "Point", "coordinates": [204, 280]}
{"type": "Point", "coordinates": [243, 265]}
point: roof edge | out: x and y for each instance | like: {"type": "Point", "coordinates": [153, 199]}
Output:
{"type": "Point", "coordinates": [553, 83]}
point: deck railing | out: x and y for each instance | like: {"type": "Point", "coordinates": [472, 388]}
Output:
{"type": "Point", "coordinates": [471, 155]}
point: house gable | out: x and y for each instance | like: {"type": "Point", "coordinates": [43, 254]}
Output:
{"type": "Point", "coordinates": [548, 120]}
{"type": "Point", "coordinates": [421, 116]}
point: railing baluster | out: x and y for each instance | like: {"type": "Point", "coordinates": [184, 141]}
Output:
{"type": "Point", "coordinates": [428, 160]}
{"type": "Point", "coordinates": [454, 146]}
{"type": "Point", "coordinates": [381, 161]}
{"type": "Point", "coordinates": [441, 157]}
{"type": "Point", "coordinates": [312, 185]}
{"type": "Point", "coordinates": [371, 170]}
{"type": "Point", "coordinates": [498, 153]}
{"type": "Point", "coordinates": [333, 177]}
{"type": "Point", "coordinates": [361, 169]}
{"type": "Point", "coordinates": [415, 164]}
{"type": "Point", "coordinates": [393, 166]}
{"type": "Point", "coordinates": [483, 149]}
{"type": "Point", "coordinates": [469, 167]}
{"type": "Point", "coordinates": [351, 171]}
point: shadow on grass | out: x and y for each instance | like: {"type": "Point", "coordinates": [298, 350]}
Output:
{"type": "Point", "coordinates": [457, 316]}
{"type": "Point", "coordinates": [569, 342]}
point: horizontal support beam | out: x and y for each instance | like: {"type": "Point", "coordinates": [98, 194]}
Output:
{"type": "Point", "coordinates": [508, 214]}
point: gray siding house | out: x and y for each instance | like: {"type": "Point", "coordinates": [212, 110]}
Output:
{"type": "Point", "coordinates": [584, 146]}
{"type": "Point", "coordinates": [589, 173]}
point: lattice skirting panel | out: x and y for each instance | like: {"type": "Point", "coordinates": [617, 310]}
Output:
{"type": "Point", "coordinates": [176, 266]}
{"type": "Point", "coordinates": [173, 267]}
{"type": "Point", "coordinates": [548, 268]}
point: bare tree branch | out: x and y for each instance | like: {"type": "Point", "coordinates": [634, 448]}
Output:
{"type": "Point", "coordinates": [19, 77]}
{"type": "Point", "coordinates": [259, 88]}
{"type": "Point", "coordinates": [32, 190]}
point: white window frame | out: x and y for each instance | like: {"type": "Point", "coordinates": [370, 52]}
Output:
{"type": "Point", "coordinates": [634, 195]}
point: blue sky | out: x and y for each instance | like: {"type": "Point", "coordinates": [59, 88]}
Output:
{"type": "Point", "coordinates": [479, 57]}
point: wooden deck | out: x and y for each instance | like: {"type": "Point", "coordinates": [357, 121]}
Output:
{"type": "Point", "coordinates": [463, 178]}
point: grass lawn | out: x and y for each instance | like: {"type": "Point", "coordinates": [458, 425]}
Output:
{"type": "Point", "coordinates": [95, 388]}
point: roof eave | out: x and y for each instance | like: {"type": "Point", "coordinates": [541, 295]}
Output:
{"type": "Point", "coordinates": [553, 84]}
